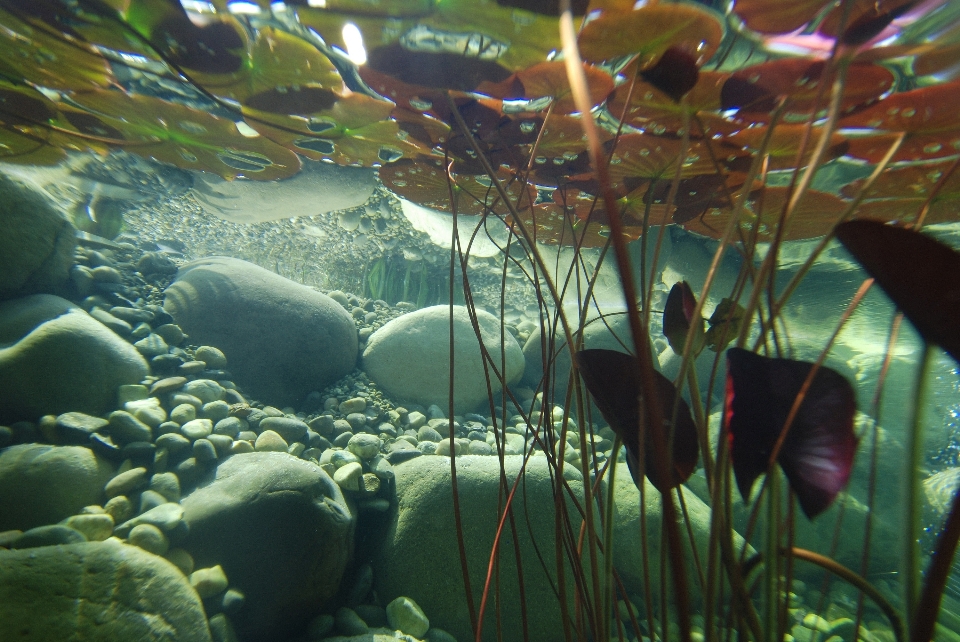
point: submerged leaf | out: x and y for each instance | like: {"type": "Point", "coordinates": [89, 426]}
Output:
{"type": "Point", "coordinates": [613, 378]}
{"type": "Point", "coordinates": [678, 318]}
{"type": "Point", "coordinates": [920, 274]}
{"type": "Point", "coordinates": [725, 324]}
{"type": "Point", "coordinates": [817, 453]}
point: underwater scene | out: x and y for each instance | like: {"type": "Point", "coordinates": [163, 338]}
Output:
{"type": "Point", "coordinates": [479, 320]}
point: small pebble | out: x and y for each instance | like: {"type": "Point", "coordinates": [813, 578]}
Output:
{"type": "Point", "coordinates": [269, 440]}
{"type": "Point", "coordinates": [120, 508]}
{"type": "Point", "coordinates": [206, 390]}
{"type": "Point", "coordinates": [167, 484]}
{"type": "Point", "coordinates": [192, 367]}
{"type": "Point", "coordinates": [215, 410]}
{"type": "Point", "coordinates": [349, 623]}
{"type": "Point", "coordinates": [50, 535]}
{"type": "Point", "coordinates": [149, 538]}
{"type": "Point", "coordinates": [126, 482]}
{"type": "Point", "coordinates": [240, 447]}
{"type": "Point", "coordinates": [355, 404]}
{"type": "Point", "coordinates": [150, 499]}
{"type": "Point", "coordinates": [183, 413]}
{"type": "Point", "coordinates": [204, 451]}
{"type": "Point", "coordinates": [426, 433]}
{"type": "Point", "coordinates": [348, 476]}
{"type": "Point", "coordinates": [125, 428]}
{"type": "Point", "coordinates": [229, 426]}
{"type": "Point", "coordinates": [95, 527]}
{"type": "Point", "coordinates": [131, 392]}
{"type": "Point", "coordinates": [171, 333]}
{"type": "Point", "coordinates": [214, 358]}
{"type": "Point", "coordinates": [152, 345]}
{"type": "Point", "coordinates": [364, 446]}
{"type": "Point", "coordinates": [174, 442]}
{"type": "Point", "coordinates": [232, 601]}
{"type": "Point", "coordinates": [405, 615]}
{"type": "Point", "coordinates": [289, 428]}
{"type": "Point", "coordinates": [168, 384]}
{"type": "Point", "coordinates": [166, 517]}
{"type": "Point", "coordinates": [181, 559]}
{"type": "Point", "coordinates": [208, 582]}
{"type": "Point", "coordinates": [196, 429]}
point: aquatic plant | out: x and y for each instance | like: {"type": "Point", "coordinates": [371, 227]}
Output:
{"type": "Point", "coordinates": [583, 129]}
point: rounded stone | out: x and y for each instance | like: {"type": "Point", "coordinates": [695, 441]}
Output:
{"type": "Point", "coordinates": [95, 527]}
{"type": "Point", "coordinates": [181, 559]}
{"type": "Point", "coordinates": [406, 616]}
{"type": "Point", "coordinates": [196, 429]}
{"type": "Point", "coordinates": [443, 448]}
{"type": "Point", "coordinates": [270, 441]}
{"type": "Point", "coordinates": [149, 538]}
{"type": "Point", "coordinates": [355, 404]}
{"type": "Point", "coordinates": [348, 476]}
{"type": "Point", "coordinates": [58, 359]}
{"type": "Point", "coordinates": [426, 433]}
{"type": "Point", "coordinates": [206, 390]}
{"type": "Point", "coordinates": [125, 428]}
{"type": "Point", "coordinates": [183, 413]}
{"type": "Point", "coordinates": [215, 410]}
{"type": "Point", "coordinates": [171, 333]}
{"type": "Point", "coordinates": [120, 508]}
{"type": "Point", "coordinates": [166, 517]}
{"type": "Point", "coordinates": [289, 428]}
{"type": "Point", "coordinates": [167, 484]}
{"type": "Point", "coordinates": [50, 535]}
{"type": "Point", "coordinates": [349, 623]}
{"type": "Point", "coordinates": [364, 446]}
{"type": "Point", "coordinates": [152, 345]}
{"type": "Point", "coordinates": [357, 421]}
{"type": "Point", "coordinates": [248, 312]}
{"type": "Point", "coordinates": [174, 442]}
{"type": "Point", "coordinates": [230, 426]}
{"type": "Point", "coordinates": [126, 482]}
{"type": "Point", "coordinates": [409, 357]}
{"type": "Point", "coordinates": [105, 591]}
{"type": "Point", "coordinates": [213, 357]}
{"type": "Point", "coordinates": [204, 451]}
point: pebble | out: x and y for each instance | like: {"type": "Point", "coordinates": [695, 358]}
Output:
{"type": "Point", "coordinates": [152, 345]}
{"type": "Point", "coordinates": [150, 499]}
{"type": "Point", "coordinates": [50, 535]}
{"type": "Point", "coordinates": [204, 451]}
{"type": "Point", "coordinates": [171, 333]}
{"type": "Point", "coordinates": [167, 484]}
{"type": "Point", "coordinates": [480, 448]}
{"type": "Point", "coordinates": [816, 623]}
{"type": "Point", "coordinates": [349, 623]}
{"type": "Point", "coordinates": [221, 443]}
{"type": "Point", "coordinates": [269, 440]}
{"type": "Point", "coordinates": [183, 413]}
{"type": "Point", "coordinates": [221, 630]}
{"type": "Point", "coordinates": [348, 476]}
{"type": "Point", "coordinates": [240, 447]}
{"type": "Point", "coordinates": [125, 428]}
{"type": "Point", "coordinates": [364, 446]}
{"type": "Point", "coordinates": [149, 538]}
{"type": "Point", "coordinates": [131, 392]}
{"type": "Point", "coordinates": [196, 429]}
{"type": "Point", "coordinates": [119, 326]}
{"type": "Point", "coordinates": [166, 517]}
{"type": "Point", "coordinates": [443, 448]}
{"type": "Point", "coordinates": [208, 582]}
{"type": "Point", "coordinates": [289, 429]}
{"type": "Point", "coordinates": [341, 426]}
{"type": "Point", "coordinates": [427, 447]}
{"type": "Point", "coordinates": [405, 615]}
{"type": "Point", "coordinates": [322, 424]}
{"type": "Point", "coordinates": [120, 508]}
{"type": "Point", "coordinates": [76, 427]}
{"type": "Point", "coordinates": [167, 384]}
{"type": "Point", "coordinates": [173, 442]}
{"type": "Point", "coordinates": [95, 527]}
{"type": "Point", "coordinates": [382, 468]}
{"type": "Point", "coordinates": [232, 601]}
{"type": "Point", "coordinates": [369, 484]}
{"type": "Point", "coordinates": [149, 413]}
{"type": "Point", "coordinates": [192, 367]}
{"type": "Point", "coordinates": [357, 421]}
{"type": "Point", "coordinates": [181, 559]}
{"type": "Point", "coordinates": [215, 410]}
{"type": "Point", "coordinates": [416, 419]}
{"type": "Point", "coordinates": [229, 426]}
{"type": "Point", "coordinates": [132, 315]}
{"type": "Point", "coordinates": [179, 398]}
{"type": "Point", "coordinates": [426, 433]}
{"type": "Point", "coordinates": [214, 358]}
{"type": "Point", "coordinates": [356, 404]}
{"type": "Point", "coordinates": [126, 482]}
{"type": "Point", "coordinates": [206, 390]}
{"type": "Point", "coordinates": [343, 439]}
{"type": "Point", "coordinates": [107, 274]}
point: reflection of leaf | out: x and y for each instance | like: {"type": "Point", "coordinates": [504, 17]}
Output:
{"type": "Point", "coordinates": [424, 181]}
{"type": "Point", "coordinates": [649, 31]}
{"type": "Point", "coordinates": [189, 138]}
{"type": "Point", "coordinates": [549, 80]}
{"type": "Point", "coordinates": [48, 61]}
{"type": "Point", "coordinates": [551, 226]}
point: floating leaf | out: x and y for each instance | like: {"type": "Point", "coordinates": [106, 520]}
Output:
{"type": "Point", "coordinates": [646, 156]}
{"type": "Point", "coordinates": [649, 31]}
{"type": "Point", "coordinates": [920, 274]}
{"type": "Point", "coordinates": [757, 90]}
{"type": "Point", "coordinates": [776, 16]}
{"type": "Point", "coordinates": [785, 143]}
{"type": "Point", "coordinates": [725, 323]}
{"type": "Point", "coordinates": [866, 20]}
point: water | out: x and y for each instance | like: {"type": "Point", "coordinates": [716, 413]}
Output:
{"type": "Point", "coordinates": [226, 279]}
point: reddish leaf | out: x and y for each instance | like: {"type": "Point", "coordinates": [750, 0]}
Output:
{"type": "Point", "coordinates": [776, 16]}
{"type": "Point", "coordinates": [549, 80]}
{"type": "Point", "coordinates": [915, 147]}
{"type": "Point", "coordinates": [928, 110]}
{"type": "Point", "coordinates": [785, 142]}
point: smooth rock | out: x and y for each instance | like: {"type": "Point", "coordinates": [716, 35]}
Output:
{"type": "Point", "coordinates": [348, 476]}
{"type": "Point", "coordinates": [174, 442]}
{"type": "Point", "coordinates": [76, 427]}
{"type": "Point", "coordinates": [215, 410]}
{"type": "Point", "coordinates": [181, 559]}
{"type": "Point", "coordinates": [405, 615]}
{"type": "Point", "coordinates": [120, 508]}
{"type": "Point", "coordinates": [167, 484]}
{"type": "Point", "coordinates": [37, 244]}
{"type": "Point", "coordinates": [349, 623]}
{"type": "Point", "coordinates": [166, 517]}
{"type": "Point", "coordinates": [95, 528]}
{"type": "Point", "coordinates": [248, 312]}
{"type": "Point", "coordinates": [126, 482]}
{"type": "Point", "coordinates": [204, 451]}
{"type": "Point", "coordinates": [196, 429]}
{"type": "Point", "coordinates": [168, 384]}
{"type": "Point", "coordinates": [58, 359]}
{"type": "Point", "coordinates": [206, 390]}
{"type": "Point", "coordinates": [208, 582]}
{"type": "Point", "coordinates": [125, 428]}
{"type": "Point", "coordinates": [50, 535]}
{"type": "Point", "coordinates": [289, 428]}
{"type": "Point", "coordinates": [104, 591]}
{"type": "Point", "coordinates": [183, 413]}
{"type": "Point", "coordinates": [149, 538]}
{"type": "Point", "coordinates": [41, 484]}
{"type": "Point", "coordinates": [171, 333]}
{"type": "Point", "coordinates": [269, 441]}
{"type": "Point", "coordinates": [272, 502]}
{"type": "Point", "coordinates": [119, 326]}
{"type": "Point", "coordinates": [230, 426]}
{"type": "Point", "coordinates": [152, 345]}
{"type": "Point", "coordinates": [214, 358]}
{"type": "Point", "coordinates": [409, 357]}
{"type": "Point", "coordinates": [364, 446]}
{"type": "Point", "coordinates": [131, 392]}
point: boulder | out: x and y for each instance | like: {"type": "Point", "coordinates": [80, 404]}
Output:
{"type": "Point", "coordinates": [421, 543]}
{"type": "Point", "coordinates": [281, 339]}
{"type": "Point", "coordinates": [56, 358]}
{"type": "Point", "coordinates": [281, 530]}
{"type": "Point", "coordinates": [37, 244]}
{"type": "Point", "coordinates": [105, 591]}
{"type": "Point", "coordinates": [409, 357]}
{"type": "Point", "coordinates": [41, 484]}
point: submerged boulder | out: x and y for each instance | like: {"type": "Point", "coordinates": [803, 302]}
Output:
{"type": "Point", "coordinates": [41, 484]}
{"type": "Point", "coordinates": [105, 591]}
{"type": "Point", "coordinates": [36, 247]}
{"type": "Point", "coordinates": [282, 532]}
{"type": "Point", "coordinates": [282, 340]}
{"type": "Point", "coordinates": [55, 358]}
{"type": "Point", "coordinates": [409, 357]}
{"type": "Point", "coordinates": [421, 543]}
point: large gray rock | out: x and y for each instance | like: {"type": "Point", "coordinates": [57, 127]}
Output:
{"type": "Point", "coordinates": [282, 339]}
{"type": "Point", "coordinates": [104, 591]}
{"type": "Point", "coordinates": [421, 543]}
{"type": "Point", "coordinates": [36, 247]}
{"type": "Point", "coordinates": [55, 358]}
{"type": "Point", "coordinates": [409, 357]}
{"type": "Point", "coordinates": [42, 484]}
{"type": "Point", "coordinates": [281, 530]}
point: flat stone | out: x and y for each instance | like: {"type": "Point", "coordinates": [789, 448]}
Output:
{"type": "Point", "coordinates": [126, 482]}
{"type": "Point", "coordinates": [152, 346]}
{"type": "Point", "coordinates": [192, 367]}
{"type": "Point", "coordinates": [196, 429]}
{"type": "Point", "coordinates": [125, 428]}
{"type": "Point", "coordinates": [206, 390]}
{"type": "Point", "coordinates": [208, 582]}
{"type": "Point", "coordinates": [355, 404]}
{"type": "Point", "coordinates": [167, 384]}
{"type": "Point", "coordinates": [290, 429]}
{"type": "Point", "coordinates": [166, 517]}
{"type": "Point", "coordinates": [50, 535]}
{"type": "Point", "coordinates": [95, 528]}
{"type": "Point", "coordinates": [76, 427]}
